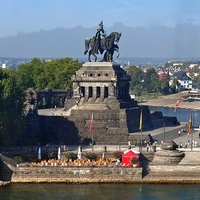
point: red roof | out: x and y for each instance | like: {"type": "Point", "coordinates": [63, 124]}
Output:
{"type": "Point", "coordinates": [162, 76]}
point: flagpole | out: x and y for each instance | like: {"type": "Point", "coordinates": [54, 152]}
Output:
{"type": "Point", "coordinates": [141, 140]}
{"type": "Point", "coordinates": [191, 132]}
{"type": "Point", "coordinates": [92, 140]}
{"type": "Point", "coordinates": [190, 129]}
{"type": "Point", "coordinates": [91, 130]}
{"type": "Point", "coordinates": [175, 108]}
{"type": "Point", "coordinates": [140, 130]}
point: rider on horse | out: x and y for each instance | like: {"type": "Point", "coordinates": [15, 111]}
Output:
{"type": "Point", "coordinates": [100, 37]}
{"type": "Point", "coordinates": [100, 42]}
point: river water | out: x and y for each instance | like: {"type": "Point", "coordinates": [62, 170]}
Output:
{"type": "Point", "coordinates": [182, 115]}
{"type": "Point", "coordinates": [100, 191]}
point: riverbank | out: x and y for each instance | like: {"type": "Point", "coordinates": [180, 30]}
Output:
{"type": "Point", "coordinates": [170, 101]}
{"type": "Point", "coordinates": [187, 171]}
{"type": "Point", "coordinates": [180, 173]}
{"type": "Point", "coordinates": [4, 183]}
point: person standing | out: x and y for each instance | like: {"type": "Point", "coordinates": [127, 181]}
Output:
{"type": "Point", "coordinates": [148, 146]}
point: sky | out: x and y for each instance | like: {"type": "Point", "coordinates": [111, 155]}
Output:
{"type": "Point", "coordinates": [28, 16]}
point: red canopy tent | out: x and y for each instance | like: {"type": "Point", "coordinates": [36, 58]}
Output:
{"type": "Point", "coordinates": [126, 157]}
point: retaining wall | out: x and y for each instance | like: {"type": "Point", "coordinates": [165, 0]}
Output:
{"type": "Point", "coordinates": [173, 174]}
{"type": "Point", "coordinates": [76, 174]}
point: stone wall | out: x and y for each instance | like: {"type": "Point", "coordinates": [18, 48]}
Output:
{"type": "Point", "coordinates": [50, 129]}
{"type": "Point", "coordinates": [10, 172]}
{"type": "Point", "coordinates": [179, 173]}
{"type": "Point", "coordinates": [173, 174]}
{"type": "Point", "coordinates": [76, 174]}
{"type": "Point", "coordinates": [156, 174]}
{"type": "Point", "coordinates": [109, 127]}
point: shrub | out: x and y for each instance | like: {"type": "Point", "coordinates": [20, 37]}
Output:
{"type": "Point", "coordinates": [71, 155]}
{"type": "Point", "coordinates": [50, 155]}
{"type": "Point", "coordinates": [90, 155]}
{"type": "Point", "coordinates": [117, 154]}
{"type": "Point", "coordinates": [134, 160]}
{"type": "Point", "coordinates": [18, 159]}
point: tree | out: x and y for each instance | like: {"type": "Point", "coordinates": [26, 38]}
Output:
{"type": "Point", "coordinates": [28, 73]}
{"type": "Point", "coordinates": [137, 76]}
{"type": "Point", "coordinates": [138, 90]}
{"type": "Point", "coordinates": [154, 83]}
{"type": "Point", "coordinates": [164, 86]}
{"type": "Point", "coordinates": [54, 74]}
{"type": "Point", "coordinates": [174, 86]}
{"type": "Point", "coordinates": [11, 108]}
{"type": "Point", "coordinates": [150, 80]}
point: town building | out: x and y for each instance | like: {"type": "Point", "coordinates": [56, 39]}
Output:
{"type": "Point", "coordinates": [184, 80]}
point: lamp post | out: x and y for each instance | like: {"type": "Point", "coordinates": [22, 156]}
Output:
{"type": "Point", "coordinates": [164, 131]}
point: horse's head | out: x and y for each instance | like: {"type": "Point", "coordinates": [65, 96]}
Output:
{"type": "Point", "coordinates": [117, 36]}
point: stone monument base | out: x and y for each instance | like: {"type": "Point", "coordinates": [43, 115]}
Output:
{"type": "Point", "coordinates": [102, 89]}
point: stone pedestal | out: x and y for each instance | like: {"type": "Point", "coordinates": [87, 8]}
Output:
{"type": "Point", "coordinates": [170, 157]}
{"type": "Point", "coordinates": [168, 154]}
{"type": "Point", "coordinates": [102, 88]}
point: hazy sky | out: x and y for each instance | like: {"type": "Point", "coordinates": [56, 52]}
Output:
{"type": "Point", "coordinates": [34, 15]}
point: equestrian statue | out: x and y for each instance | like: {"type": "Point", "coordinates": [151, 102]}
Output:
{"type": "Point", "coordinates": [103, 44]}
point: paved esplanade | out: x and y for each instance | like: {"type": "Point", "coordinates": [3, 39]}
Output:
{"type": "Point", "coordinates": [158, 134]}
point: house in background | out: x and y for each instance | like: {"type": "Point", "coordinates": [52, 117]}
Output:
{"type": "Point", "coordinates": [184, 80]}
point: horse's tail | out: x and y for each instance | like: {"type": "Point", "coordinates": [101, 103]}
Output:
{"type": "Point", "coordinates": [87, 42]}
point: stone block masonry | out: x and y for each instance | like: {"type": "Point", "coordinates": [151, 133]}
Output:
{"type": "Point", "coordinates": [101, 88]}
{"type": "Point", "coordinates": [76, 174]}
{"type": "Point", "coordinates": [173, 174]}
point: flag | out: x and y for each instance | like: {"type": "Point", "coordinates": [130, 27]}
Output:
{"type": "Point", "coordinates": [190, 124]}
{"type": "Point", "coordinates": [59, 153]}
{"type": "Point", "coordinates": [176, 105]}
{"type": "Point", "coordinates": [140, 120]}
{"type": "Point", "coordinates": [39, 153]}
{"type": "Point", "coordinates": [91, 123]}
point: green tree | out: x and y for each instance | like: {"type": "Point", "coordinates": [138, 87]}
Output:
{"type": "Point", "coordinates": [150, 80]}
{"type": "Point", "coordinates": [164, 86]}
{"type": "Point", "coordinates": [154, 83]}
{"type": "Point", "coordinates": [27, 73]}
{"type": "Point", "coordinates": [11, 108]}
{"type": "Point", "coordinates": [138, 90]}
{"type": "Point", "coordinates": [54, 74]}
{"type": "Point", "coordinates": [174, 86]}
{"type": "Point", "coordinates": [137, 76]}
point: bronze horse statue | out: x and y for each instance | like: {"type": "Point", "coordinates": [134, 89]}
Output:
{"type": "Point", "coordinates": [108, 55]}
{"type": "Point", "coordinates": [107, 43]}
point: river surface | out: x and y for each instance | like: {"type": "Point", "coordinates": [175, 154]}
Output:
{"type": "Point", "coordinates": [182, 115]}
{"type": "Point", "coordinates": [60, 191]}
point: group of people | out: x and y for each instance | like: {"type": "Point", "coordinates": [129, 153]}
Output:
{"type": "Point", "coordinates": [150, 145]}
{"type": "Point", "coordinates": [181, 131]}
{"type": "Point", "coordinates": [188, 144]}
